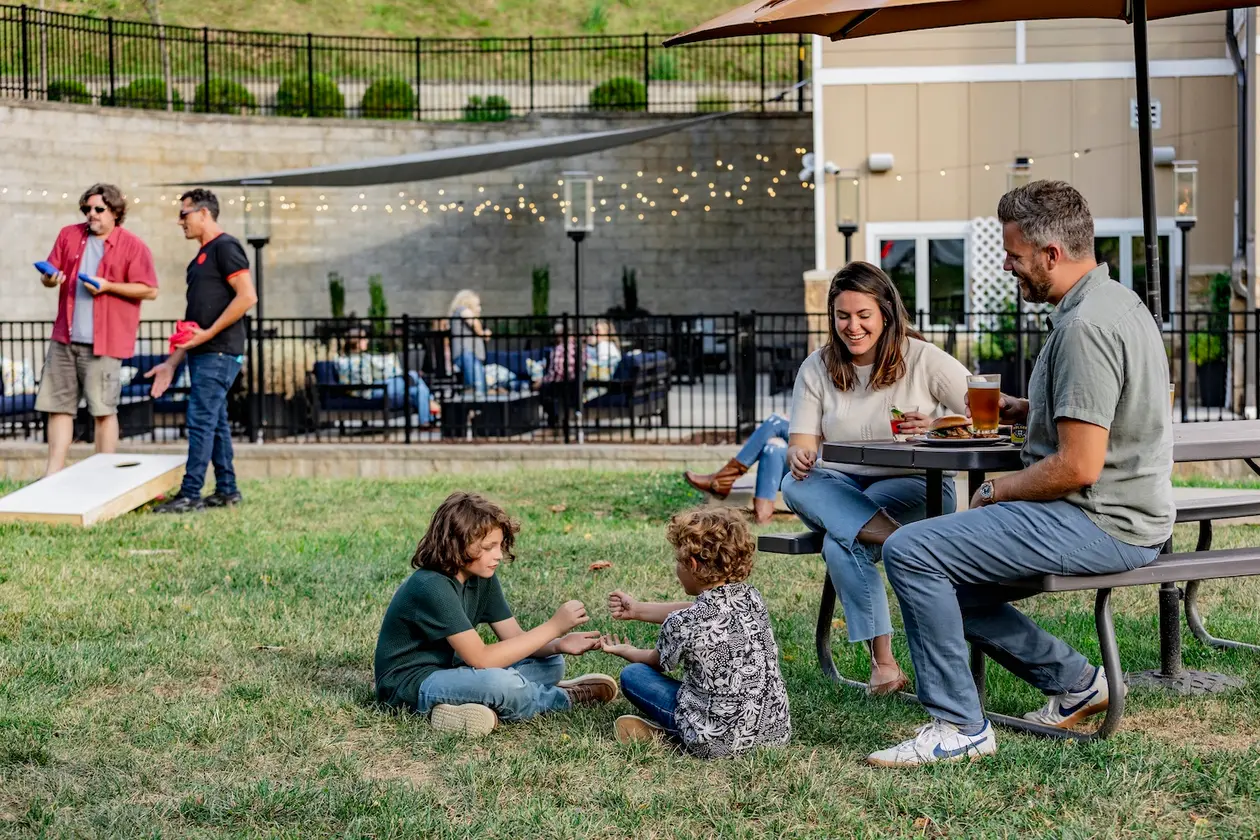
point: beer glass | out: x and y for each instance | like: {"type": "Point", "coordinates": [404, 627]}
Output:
{"type": "Point", "coordinates": [984, 394]}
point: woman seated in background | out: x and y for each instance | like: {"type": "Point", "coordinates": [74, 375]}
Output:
{"type": "Point", "coordinates": [468, 347]}
{"type": "Point", "coordinates": [359, 366]}
{"type": "Point", "coordinates": [601, 356]}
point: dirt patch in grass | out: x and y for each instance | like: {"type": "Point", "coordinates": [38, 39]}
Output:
{"type": "Point", "coordinates": [207, 686]}
{"type": "Point", "coordinates": [1207, 727]}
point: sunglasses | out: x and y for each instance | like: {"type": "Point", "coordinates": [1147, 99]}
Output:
{"type": "Point", "coordinates": [188, 211]}
{"type": "Point", "coordinates": [98, 209]}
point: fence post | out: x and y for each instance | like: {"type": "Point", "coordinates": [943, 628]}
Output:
{"type": "Point", "coordinates": [563, 404]}
{"type": "Point", "coordinates": [26, 56]}
{"type": "Point", "coordinates": [109, 28]}
{"type": "Point", "coordinates": [531, 74]}
{"type": "Point", "coordinates": [417, 77]}
{"type": "Point", "coordinates": [205, 63]}
{"type": "Point", "coordinates": [406, 363]}
{"type": "Point", "coordinates": [800, 72]}
{"type": "Point", "coordinates": [745, 374]}
{"type": "Point", "coordinates": [310, 75]}
{"type": "Point", "coordinates": [762, 51]}
{"type": "Point", "coordinates": [251, 378]}
{"type": "Point", "coordinates": [647, 70]}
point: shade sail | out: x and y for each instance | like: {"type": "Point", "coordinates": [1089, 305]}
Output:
{"type": "Point", "coordinates": [463, 160]}
{"type": "Point", "coordinates": [843, 19]}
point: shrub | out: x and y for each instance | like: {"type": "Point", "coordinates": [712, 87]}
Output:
{"type": "Point", "coordinates": [596, 20]}
{"type": "Point", "coordinates": [1205, 348]}
{"type": "Point", "coordinates": [147, 92]}
{"type": "Point", "coordinates": [390, 98]}
{"type": "Point", "coordinates": [619, 94]}
{"type": "Point", "coordinates": [295, 95]}
{"type": "Point", "coordinates": [999, 343]}
{"type": "Point", "coordinates": [664, 68]}
{"type": "Point", "coordinates": [223, 96]}
{"type": "Point", "coordinates": [712, 102]}
{"type": "Point", "coordinates": [69, 90]}
{"type": "Point", "coordinates": [490, 109]}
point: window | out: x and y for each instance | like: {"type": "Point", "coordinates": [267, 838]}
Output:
{"type": "Point", "coordinates": [1119, 243]}
{"type": "Point", "coordinates": [927, 261]}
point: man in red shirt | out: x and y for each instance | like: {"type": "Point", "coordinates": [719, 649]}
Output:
{"type": "Point", "coordinates": [96, 322]}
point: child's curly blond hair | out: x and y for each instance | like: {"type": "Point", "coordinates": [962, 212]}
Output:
{"type": "Point", "coordinates": [717, 539]}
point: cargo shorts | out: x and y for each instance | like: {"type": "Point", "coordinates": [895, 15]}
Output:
{"type": "Point", "coordinates": [73, 372]}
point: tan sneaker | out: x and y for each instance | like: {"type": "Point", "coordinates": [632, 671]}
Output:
{"type": "Point", "coordinates": [629, 728]}
{"type": "Point", "coordinates": [590, 689]}
{"type": "Point", "coordinates": [471, 719]}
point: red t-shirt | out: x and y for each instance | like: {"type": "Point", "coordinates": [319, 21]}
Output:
{"type": "Point", "coordinates": [115, 320]}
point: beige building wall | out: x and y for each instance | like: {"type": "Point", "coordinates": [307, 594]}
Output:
{"type": "Point", "coordinates": [1191, 37]}
{"type": "Point", "coordinates": [952, 144]}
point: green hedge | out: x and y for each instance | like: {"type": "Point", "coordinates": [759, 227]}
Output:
{"type": "Point", "coordinates": [223, 96]}
{"type": "Point", "coordinates": [293, 97]}
{"type": "Point", "coordinates": [390, 98]}
{"type": "Point", "coordinates": [490, 109]}
{"type": "Point", "coordinates": [147, 92]}
{"type": "Point", "coordinates": [619, 94]}
{"type": "Point", "coordinates": [69, 90]}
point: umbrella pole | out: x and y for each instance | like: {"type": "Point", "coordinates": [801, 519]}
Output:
{"type": "Point", "coordinates": [1150, 233]}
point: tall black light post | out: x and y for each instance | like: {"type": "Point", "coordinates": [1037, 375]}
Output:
{"type": "Point", "coordinates": [258, 234]}
{"type": "Point", "coordinates": [1186, 194]}
{"type": "Point", "coordinates": [579, 220]}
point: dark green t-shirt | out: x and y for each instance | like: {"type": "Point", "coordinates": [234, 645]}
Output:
{"type": "Point", "coordinates": [425, 610]}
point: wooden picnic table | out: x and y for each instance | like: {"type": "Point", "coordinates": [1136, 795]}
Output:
{"type": "Point", "coordinates": [1226, 440]}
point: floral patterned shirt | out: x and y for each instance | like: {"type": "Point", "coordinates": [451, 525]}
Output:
{"type": "Point", "coordinates": [732, 697]}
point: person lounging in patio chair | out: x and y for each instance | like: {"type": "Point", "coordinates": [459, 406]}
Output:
{"type": "Point", "coordinates": [359, 366]}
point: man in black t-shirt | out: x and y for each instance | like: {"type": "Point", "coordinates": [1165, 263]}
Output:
{"type": "Point", "coordinates": [220, 292]}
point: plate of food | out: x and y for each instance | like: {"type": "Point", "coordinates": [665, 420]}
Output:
{"type": "Point", "coordinates": [955, 430]}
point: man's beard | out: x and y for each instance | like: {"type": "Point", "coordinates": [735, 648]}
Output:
{"type": "Point", "coordinates": [1034, 290]}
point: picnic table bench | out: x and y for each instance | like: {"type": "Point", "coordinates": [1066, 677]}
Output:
{"type": "Point", "coordinates": [1192, 442]}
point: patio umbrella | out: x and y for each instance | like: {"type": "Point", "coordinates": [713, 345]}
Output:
{"type": "Point", "coordinates": [845, 19]}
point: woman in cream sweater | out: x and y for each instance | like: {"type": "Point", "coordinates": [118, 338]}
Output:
{"type": "Point", "coordinates": [847, 390]}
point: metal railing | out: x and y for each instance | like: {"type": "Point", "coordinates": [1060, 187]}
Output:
{"type": "Point", "coordinates": [670, 379]}
{"type": "Point", "coordinates": [74, 58]}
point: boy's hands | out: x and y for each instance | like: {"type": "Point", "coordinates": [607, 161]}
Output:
{"type": "Point", "coordinates": [616, 645]}
{"type": "Point", "coordinates": [622, 606]}
{"type": "Point", "coordinates": [570, 615]}
{"type": "Point", "coordinates": [576, 644]}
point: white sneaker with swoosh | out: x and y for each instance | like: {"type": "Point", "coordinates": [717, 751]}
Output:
{"type": "Point", "coordinates": [1063, 711]}
{"type": "Point", "coordinates": [937, 741]}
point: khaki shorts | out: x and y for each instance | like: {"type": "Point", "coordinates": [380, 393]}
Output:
{"type": "Point", "coordinates": [72, 372]}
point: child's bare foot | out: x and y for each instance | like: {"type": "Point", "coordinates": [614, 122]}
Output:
{"type": "Point", "coordinates": [628, 728]}
{"type": "Point", "coordinates": [590, 689]}
{"type": "Point", "coordinates": [472, 719]}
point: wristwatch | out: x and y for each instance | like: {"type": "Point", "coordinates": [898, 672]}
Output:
{"type": "Point", "coordinates": [986, 492]}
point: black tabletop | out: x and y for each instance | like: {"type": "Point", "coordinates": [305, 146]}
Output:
{"type": "Point", "coordinates": [1217, 441]}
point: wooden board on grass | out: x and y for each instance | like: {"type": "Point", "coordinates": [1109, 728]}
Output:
{"type": "Point", "coordinates": [93, 490]}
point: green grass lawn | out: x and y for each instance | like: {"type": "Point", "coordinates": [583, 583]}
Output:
{"type": "Point", "coordinates": [211, 676]}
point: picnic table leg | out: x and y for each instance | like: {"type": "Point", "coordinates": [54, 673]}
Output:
{"type": "Point", "coordinates": [935, 487]}
{"type": "Point", "coordinates": [822, 635]}
{"type": "Point", "coordinates": [977, 670]}
{"type": "Point", "coordinates": [1195, 621]}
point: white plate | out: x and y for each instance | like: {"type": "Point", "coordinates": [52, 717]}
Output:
{"type": "Point", "coordinates": [961, 442]}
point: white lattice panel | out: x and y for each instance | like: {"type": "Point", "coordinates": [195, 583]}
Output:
{"type": "Point", "coordinates": [991, 286]}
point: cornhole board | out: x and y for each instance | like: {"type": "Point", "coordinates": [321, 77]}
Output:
{"type": "Point", "coordinates": [93, 490]}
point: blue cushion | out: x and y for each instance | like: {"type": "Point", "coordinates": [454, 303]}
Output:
{"type": "Point", "coordinates": [17, 404]}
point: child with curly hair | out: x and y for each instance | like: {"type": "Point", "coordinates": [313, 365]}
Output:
{"type": "Point", "coordinates": [731, 698]}
{"type": "Point", "coordinates": [429, 656]}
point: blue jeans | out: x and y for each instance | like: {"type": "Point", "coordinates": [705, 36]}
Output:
{"type": "Point", "coordinates": [210, 375]}
{"type": "Point", "coordinates": [768, 454]}
{"type": "Point", "coordinates": [396, 391]}
{"type": "Point", "coordinates": [840, 505]}
{"type": "Point", "coordinates": [525, 690]}
{"type": "Point", "coordinates": [652, 693]}
{"type": "Point", "coordinates": [943, 570]}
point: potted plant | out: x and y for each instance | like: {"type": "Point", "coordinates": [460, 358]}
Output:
{"type": "Point", "coordinates": [998, 348]}
{"type": "Point", "coordinates": [1207, 351]}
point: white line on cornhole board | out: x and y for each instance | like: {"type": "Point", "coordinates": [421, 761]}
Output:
{"type": "Point", "coordinates": [93, 490]}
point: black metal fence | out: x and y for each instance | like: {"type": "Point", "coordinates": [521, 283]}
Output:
{"type": "Point", "coordinates": [75, 58]}
{"type": "Point", "coordinates": [666, 379]}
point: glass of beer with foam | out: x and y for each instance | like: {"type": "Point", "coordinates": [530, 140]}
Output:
{"type": "Point", "coordinates": [984, 394]}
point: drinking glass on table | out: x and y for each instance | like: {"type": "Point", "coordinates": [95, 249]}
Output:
{"type": "Point", "coordinates": [896, 421]}
{"type": "Point", "coordinates": [984, 395]}
{"type": "Point", "coordinates": [1172, 396]}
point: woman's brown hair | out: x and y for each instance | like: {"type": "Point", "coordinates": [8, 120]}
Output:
{"type": "Point", "coordinates": [718, 539]}
{"type": "Point", "coordinates": [113, 198]}
{"type": "Point", "coordinates": [461, 521]}
{"type": "Point", "coordinates": [890, 359]}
